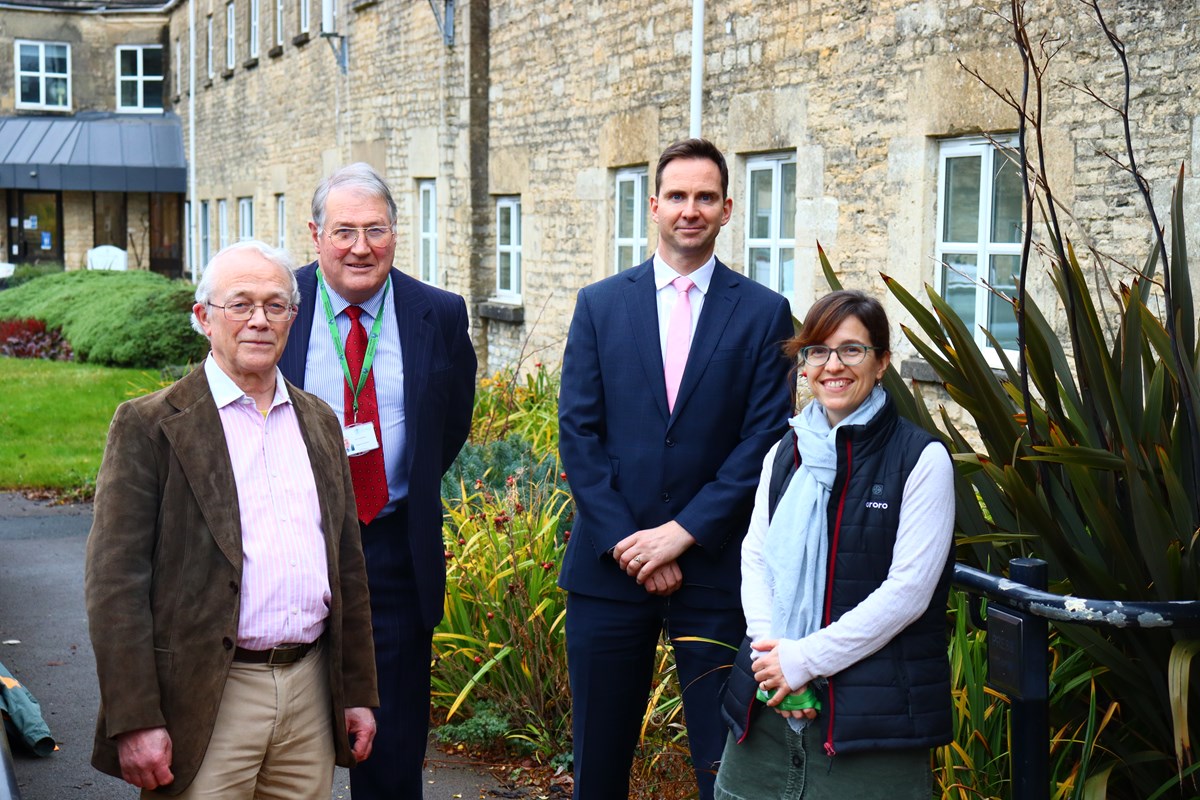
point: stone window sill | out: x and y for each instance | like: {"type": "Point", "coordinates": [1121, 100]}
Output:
{"type": "Point", "coordinates": [227, 74]}
{"type": "Point", "coordinates": [502, 312]}
{"type": "Point", "coordinates": [250, 63]}
{"type": "Point", "coordinates": [300, 39]}
{"type": "Point", "coordinates": [276, 51]}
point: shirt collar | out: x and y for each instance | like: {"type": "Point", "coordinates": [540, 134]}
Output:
{"type": "Point", "coordinates": [371, 306]}
{"type": "Point", "coordinates": [225, 391]}
{"type": "Point", "coordinates": [664, 273]}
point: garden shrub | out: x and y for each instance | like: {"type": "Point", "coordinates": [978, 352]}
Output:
{"type": "Point", "coordinates": [121, 319]}
{"type": "Point", "coordinates": [29, 338]}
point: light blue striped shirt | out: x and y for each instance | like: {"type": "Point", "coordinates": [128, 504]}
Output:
{"type": "Point", "coordinates": [323, 377]}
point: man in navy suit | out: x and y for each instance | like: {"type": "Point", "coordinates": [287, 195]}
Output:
{"type": "Point", "coordinates": [406, 413]}
{"type": "Point", "coordinates": [663, 456]}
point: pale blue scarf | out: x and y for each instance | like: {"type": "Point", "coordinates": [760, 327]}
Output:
{"type": "Point", "coordinates": [796, 548]}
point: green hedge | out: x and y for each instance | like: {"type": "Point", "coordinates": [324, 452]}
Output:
{"type": "Point", "coordinates": [120, 319]}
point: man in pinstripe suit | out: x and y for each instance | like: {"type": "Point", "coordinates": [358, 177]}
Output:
{"type": "Point", "coordinates": [405, 401]}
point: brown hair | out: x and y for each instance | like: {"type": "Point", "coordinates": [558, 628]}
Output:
{"type": "Point", "coordinates": [693, 148]}
{"type": "Point", "coordinates": [832, 310]}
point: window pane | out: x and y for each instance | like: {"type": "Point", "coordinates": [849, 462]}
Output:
{"type": "Point", "coordinates": [152, 61]}
{"type": "Point", "coordinates": [1002, 320]}
{"type": "Point", "coordinates": [760, 265]}
{"type": "Point", "coordinates": [427, 211]}
{"type": "Point", "coordinates": [624, 257]}
{"type": "Point", "coordinates": [643, 182]}
{"type": "Point", "coordinates": [787, 270]}
{"type": "Point", "coordinates": [625, 209]}
{"type": "Point", "coordinates": [425, 260]}
{"type": "Point", "coordinates": [787, 189]}
{"type": "Point", "coordinates": [30, 59]}
{"type": "Point", "coordinates": [958, 286]}
{"type": "Point", "coordinates": [760, 203]}
{"type": "Point", "coordinates": [961, 214]}
{"type": "Point", "coordinates": [152, 92]}
{"type": "Point", "coordinates": [504, 278]}
{"type": "Point", "coordinates": [129, 94]}
{"type": "Point", "coordinates": [56, 58]}
{"type": "Point", "coordinates": [516, 229]}
{"type": "Point", "coordinates": [504, 224]}
{"type": "Point", "coordinates": [30, 90]}
{"type": "Point", "coordinates": [129, 63]}
{"type": "Point", "coordinates": [56, 91]}
{"type": "Point", "coordinates": [1007, 199]}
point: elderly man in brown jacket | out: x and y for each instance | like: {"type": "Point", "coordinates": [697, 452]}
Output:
{"type": "Point", "coordinates": [226, 591]}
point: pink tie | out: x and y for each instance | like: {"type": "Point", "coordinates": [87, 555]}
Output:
{"type": "Point", "coordinates": [679, 338]}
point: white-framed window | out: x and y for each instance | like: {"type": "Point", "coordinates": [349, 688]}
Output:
{"type": "Point", "coordinates": [140, 77]}
{"type": "Point", "coordinates": [979, 234]}
{"type": "Point", "coordinates": [427, 239]}
{"type": "Point", "coordinates": [771, 221]}
{"type": "Point", "coordinates": [205, 235]}
{"type": "Point", "coordinates": [208, 46]}
{"type": "Point", "coordinates": [279, 22]}
{"type": "Point", "coordinates": [629, 224]}
{"type": "Point", "coordinates": [222, 224]}
{"type": "Point", "coordinates": [508, 249]}
{"type": "Point", "coordinates": [245, 218]}
{"type": "Point", "coordinates": [254, 6]}
{"type": "Point", "coordinates": [328, 16]}
{"type": "Point", "coordinates": [230, 35]}
{"type": "Point", "coordinates": [43, 74]}
{"type": "Point", "coordinates": [304, 23]}
{"type": "Point", "coordinates": [178, 66]}
{"type": "Point", "coordinates": [280, 222]}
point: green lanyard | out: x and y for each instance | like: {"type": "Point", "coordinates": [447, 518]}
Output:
{"type": "Point", "coordinates": [373, 340]}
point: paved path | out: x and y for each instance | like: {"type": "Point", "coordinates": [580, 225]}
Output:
{"type": "Point", "coordinates": [41, 606]}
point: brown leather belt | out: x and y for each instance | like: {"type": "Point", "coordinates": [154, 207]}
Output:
{"type": "Point", "coordinates": [276, 656]}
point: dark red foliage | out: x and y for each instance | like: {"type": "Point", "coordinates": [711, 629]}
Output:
{"type": "Point", "coordinates": [28, 338]}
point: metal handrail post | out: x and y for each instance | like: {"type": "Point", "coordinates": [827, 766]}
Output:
{"type": "Point", "coordinates": [1030, 746]}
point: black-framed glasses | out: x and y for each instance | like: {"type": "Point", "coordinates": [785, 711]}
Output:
{"type": "Point", "coordinates": [345, 238]}
{"type": "Point", "coordinates": [849, 354]}
{"type": "Point", "coordinates": [240, 310]}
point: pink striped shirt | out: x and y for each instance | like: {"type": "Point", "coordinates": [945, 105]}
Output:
{"type": "Point", "coordinates": [285, 579]}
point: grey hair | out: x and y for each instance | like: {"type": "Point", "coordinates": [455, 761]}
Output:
{"type": "Point", "coordinates": [359, 176]}
{"type": "Point", "coordinates": [275, 255]}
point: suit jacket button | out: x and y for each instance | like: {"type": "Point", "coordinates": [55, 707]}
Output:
{"type": "Point", "coordinates": [233, 586]}
{"type": "Point", "coordinates": [666, 497]}
{"type": "Point", "coordinates": [670, 442]}
{"type": "Point", "coordinates": [227, 643]}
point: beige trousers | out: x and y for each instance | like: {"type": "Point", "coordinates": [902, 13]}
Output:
{"type": "Point", "coordinates": [273, 739]}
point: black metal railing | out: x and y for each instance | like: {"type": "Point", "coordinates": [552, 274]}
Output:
{"type": "Point", "coordinates": [1018, 626]}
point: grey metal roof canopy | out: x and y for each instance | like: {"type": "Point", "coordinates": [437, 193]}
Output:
{"type": "Point", "coordinates": [93, 151]}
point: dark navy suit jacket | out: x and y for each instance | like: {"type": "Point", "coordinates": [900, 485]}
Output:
{"type": "Point", "coordinates": [632, 465]}
{"type": "Point", "coordinates": [439, 391]}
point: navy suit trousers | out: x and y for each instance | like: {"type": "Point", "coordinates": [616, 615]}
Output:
{"type": "Point", "coordinates": [403, 652]}
{"type": "Point", "coordinates": [610, 652]}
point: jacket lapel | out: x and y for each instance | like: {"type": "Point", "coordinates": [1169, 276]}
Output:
{"type": "Point", "coordinates": [642, 306]}
{"type": "Point", "coordinates": [295, 355]}
{"type": "Point", "coordinates": [325, 456]}
{"type": "Point", "coordinates": [719, 302]}
{"type": "Point", "coordinates": [416, 349]}
{"type": "Point", "coordinates": [198, 442]}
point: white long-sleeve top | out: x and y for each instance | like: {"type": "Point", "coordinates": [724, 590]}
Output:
{"type": "Point", "coordinates": [922, 544]}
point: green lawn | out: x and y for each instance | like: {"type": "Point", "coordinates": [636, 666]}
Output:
{"type": "Point", "coordinates": [54, 419]}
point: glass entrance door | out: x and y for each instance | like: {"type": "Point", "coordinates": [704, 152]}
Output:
{"type": "Point", "coordinates": [37, 237]}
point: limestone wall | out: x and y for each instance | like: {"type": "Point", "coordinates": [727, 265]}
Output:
{"type": "Point", "coordinates": [547, 100]}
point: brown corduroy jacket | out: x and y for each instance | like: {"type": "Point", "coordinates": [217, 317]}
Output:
{"type": "Point", "coordinates": [164, 571]}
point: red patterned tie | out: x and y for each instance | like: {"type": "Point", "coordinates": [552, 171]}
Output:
{"type": "Point", "coordinates": [367, 471]}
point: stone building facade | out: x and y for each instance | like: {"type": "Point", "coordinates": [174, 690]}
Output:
{"type": "Point", "coordinates": [521, 136]}
{"type": "Point", "coordinates": [82, 102]}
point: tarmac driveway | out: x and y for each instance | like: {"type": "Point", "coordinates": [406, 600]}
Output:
{"type": "Point", "coordinates": [41, 608]}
